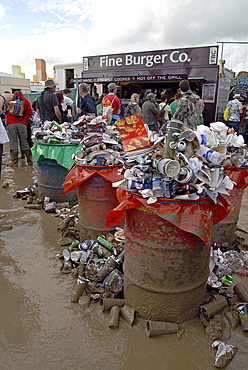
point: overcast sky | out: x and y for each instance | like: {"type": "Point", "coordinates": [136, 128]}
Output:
{"type": "Point", "coordinates": [63, 31]}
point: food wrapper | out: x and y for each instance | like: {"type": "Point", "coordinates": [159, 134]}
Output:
{"type": "Point", "coordinates": [224, 353]}
{"type": "Point", "coordinates": [133, 133]}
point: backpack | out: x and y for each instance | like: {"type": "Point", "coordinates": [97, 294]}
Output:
{"type": "Point", "coordinates": [107, 112]}
{"type": "Point", "coordinates": [17, 107]}
{"type": "Point", "coordinates": [226, 114]}
{"type": "Point", "coordinates": [129, 111]}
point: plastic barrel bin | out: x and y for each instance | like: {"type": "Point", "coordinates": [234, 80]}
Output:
{"type": "Point", "coordinates": [96, 197]}
{"type": "Point", "coordinates": [224, 231]}
{"type": "Point", "coordinates": [51, 176]}
{"type": "Point", "coordinates": [165, 268]}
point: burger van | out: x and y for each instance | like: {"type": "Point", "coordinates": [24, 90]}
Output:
{"type": "Point", "coordinates": [160, 72]}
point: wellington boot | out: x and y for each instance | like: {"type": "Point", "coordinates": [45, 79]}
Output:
{"type": "Point", "coordinates": [22, 155]}
{"type": "Point", "coordinates": [14, 157]}
{"type": "Point", "coordinates": [28, 155]}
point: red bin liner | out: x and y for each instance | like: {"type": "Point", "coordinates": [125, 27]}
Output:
{"type": "Point", "coordinates": [79, 174]}
{"type": "Point", "coordinates": [194, 216]}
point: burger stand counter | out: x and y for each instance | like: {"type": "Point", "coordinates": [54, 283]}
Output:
{"type": "Point", "coordinates": [159, 70]}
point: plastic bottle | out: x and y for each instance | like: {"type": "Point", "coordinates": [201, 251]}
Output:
{"type": "Point", "coordinates": [110, 265]}
{"type": "Point", "coordinates": [157, 187]}
{"type": "Point", "coordinates": [241, 272]}
{"type": "Point", "coordinates": [114, 281]}
{"type": "Point", "coordinates": [54, 123]}
{"type": "Point", "coordinates": [84, 255]}
{"type": "Point", "coordinates": [210, 155]}
{"type": "Point", "coordinates": [104, 242]}
{"type": "Point", "coordinates": [222, 269]}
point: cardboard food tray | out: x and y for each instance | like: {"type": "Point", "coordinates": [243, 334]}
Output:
{"type": "Point", "coordinates": [133, 133]}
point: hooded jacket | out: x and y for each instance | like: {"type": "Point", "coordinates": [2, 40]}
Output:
{"type": "Point", "coordinates": [27, 111]}
{"type": "Point", "coordinates": [189, 110]}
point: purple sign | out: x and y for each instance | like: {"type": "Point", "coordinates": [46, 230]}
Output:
{"type": "Point", "coordinates": [149, 61]}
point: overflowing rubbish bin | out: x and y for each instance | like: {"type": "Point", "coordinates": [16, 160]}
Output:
{"type": "Point", "coordinates": [96, 197]}
{"type": "Point", "coordinates": [54, 162]}
{"type": "Point", "coordinates": [166, 263]}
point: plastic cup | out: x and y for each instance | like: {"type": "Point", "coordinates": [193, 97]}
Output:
{"type": "Point", "coordinates": [243, 315]}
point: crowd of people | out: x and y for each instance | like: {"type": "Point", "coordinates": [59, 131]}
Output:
{"type": "Point", "coordinates": [19, 117]}
{"type": "Point", "coordinates": [185, 106]}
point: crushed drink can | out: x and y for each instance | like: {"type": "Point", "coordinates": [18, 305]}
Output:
{"type": "Point", "coordinates": [95, 148]}
{"type": "Point", "coordinates": [138, 185]}
{"type": "Point", "coordinates": [100, 161]}
{"type": "Point", "coordinates": [169, 189]}
{"type": "Point", "coordinates": [50, 207]}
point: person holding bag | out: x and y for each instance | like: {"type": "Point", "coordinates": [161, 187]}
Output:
{"type": "Point", "coordinates": [111, 104]}
{"type": "Point", "coordinates": [164, 112]}
{"type": "Point", "coordinates": [235, 110]}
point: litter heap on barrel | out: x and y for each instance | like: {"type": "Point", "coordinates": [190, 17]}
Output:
{"type": "Point", "coordinates": [183, 164]}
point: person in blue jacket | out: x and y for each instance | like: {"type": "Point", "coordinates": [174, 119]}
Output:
{"type": "Point", "coordinates": [87, 103]}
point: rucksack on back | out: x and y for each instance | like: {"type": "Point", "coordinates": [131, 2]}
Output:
{"type": "Point", "coordinates": [107, 112]}
{"type": "Point", "coordinates": [129, 111]}
{"type": "Point", "coordinates": [17, 107]}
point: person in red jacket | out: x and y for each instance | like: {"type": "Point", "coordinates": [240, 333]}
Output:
{"type": "Point", "coordinates": [17, 129]}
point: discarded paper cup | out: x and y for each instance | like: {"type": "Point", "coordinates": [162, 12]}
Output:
{"type": "Point", "coordinates": [79, 288]}
{"type": "Point", "coordinates": [107, 303]}
{"type": "Point", "coordinates": [241, 291]}
{"type": "Point", "coordinates": [66, 254]}
{"type": "Point", "coordinates": [109, 266]}
{"type": "Point", "coordinates": [81, 269]}
{"type": "Point", "coordinates": [215, 174]}
{"type": "Point", "coordinates": [185, 176]}
{"type": "Point", "coordinates": [202, 176]}
{"type": "Point", "coordinates": [66, 267]}
{"type": "Point", "coordinates": [232, 318]}
{"type": "Point", "coordinates": [154, 328]}
{"type": "Point", "coordinates": [114, 317]}
{"type": "Point", "coordinates": [210, 309]}
{"type": "Point", "coordinates": [74, 273]}
{"type": "Point", "coordinates": [76, 255]}
{"type": "Point", "coordinates": [169, 167]}
{"type": "Point", "coordinates": [84, 301]}
{"type": "Point", "coordinates": [128, 314]}
{"type": "Point", "coordinates": [243, 315]}
{"type": "Point", "coordinates": [63, 225]}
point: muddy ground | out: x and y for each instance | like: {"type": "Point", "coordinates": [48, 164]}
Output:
{"type": "Point", "coordinates": [41, 329]}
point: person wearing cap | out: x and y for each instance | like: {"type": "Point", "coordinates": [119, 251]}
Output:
{"type": "Point", "coordinates": [47, 103]}
{"type": "Point", "coordinates": [149, 112]}
{"type": "Point", "coordinates": [68, 106]}
{"type": "Point", "coordinates": [17, 128]}
{"type": "Point", "coordinates": [235, 109]}
{"type": "Point", "coordinates": [112, 100]}
{"type": "Point", "coordinates": [87, 103]}
{"type": "Point", "coordinates": [189, 109]}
